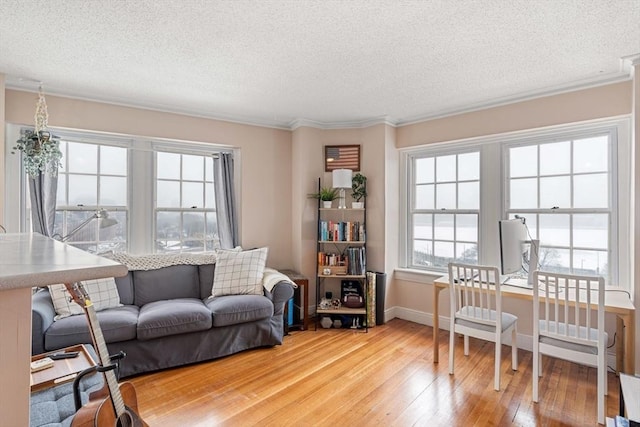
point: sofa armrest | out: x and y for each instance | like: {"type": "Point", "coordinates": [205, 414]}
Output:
{"type": "Point", "coordinates": [42, 314]}
{"type": "Point", "coordinates": [279, 295]}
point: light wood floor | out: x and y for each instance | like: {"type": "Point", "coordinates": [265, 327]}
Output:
{"type": "Point", "coordinates": [382, 378]}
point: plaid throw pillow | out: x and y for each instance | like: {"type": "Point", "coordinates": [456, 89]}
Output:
{"type": "Point", "coordinates": [103, 293]}
{"type": "Point", "coordinates": [239, 273]}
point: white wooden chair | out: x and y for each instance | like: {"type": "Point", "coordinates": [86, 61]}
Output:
{"type": "Point", "coordinates": [568, 323]}
{"type": "Point", "coordinates": [476, 311]}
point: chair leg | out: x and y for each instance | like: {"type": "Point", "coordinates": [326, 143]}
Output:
{"type": "Point", "coordinates": [600, 402]}
{"type": "Point", "coordinates": [514, 349]}
{"type": "Point", "coordinates": [536, 370]}
{"type": "Point", "coordinates": [452, 349]}
{"type": "Point", "coordinates": [497, 357]}
{"type": "Point", "coordinates": [602, 388]}
{"type": "Point", "coordinates": [466, 345]}
{"type": "Point", "coordinates": [540, 365]}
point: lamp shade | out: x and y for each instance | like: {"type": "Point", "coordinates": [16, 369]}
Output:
{"type": "Point", "coordinates": [342, 178]}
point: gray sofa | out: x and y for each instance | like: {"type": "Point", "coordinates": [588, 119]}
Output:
{"type": "Point", "coordinates": [167, 319]}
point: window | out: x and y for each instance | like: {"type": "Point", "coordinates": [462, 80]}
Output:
{"type": "Point", "coordinates": [445, 207]}
{"type": "Point", "coordinates": [185, 204]}
{"type": "Point", "coordinates": [92, 197]}
{"type": "Point", "coordinates": [563, 189]}
{"type": "Point", "coordinates": [572, 184]}
{"type": "Point", "coordinates": [119, 193]}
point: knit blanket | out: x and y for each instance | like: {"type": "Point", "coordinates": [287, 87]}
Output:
{"type": "Point", "coordinates": [271, 277]}
{"type": "Point", "coordinates": [156, 261]}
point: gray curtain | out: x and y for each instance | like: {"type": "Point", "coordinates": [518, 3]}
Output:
{"type": "Point", "coordinates": [225, 200]}
{"type": "Point", "coordinates": [42, 190]}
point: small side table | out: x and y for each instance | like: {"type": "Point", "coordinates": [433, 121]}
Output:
{"type": "Point", "coordinates": [630, 397]}
{"type": "Point", "coordinates": [63, 370]}
{"type": "Point", "coordinates": [303, 286]}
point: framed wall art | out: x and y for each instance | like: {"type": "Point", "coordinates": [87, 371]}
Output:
{"type": "Point", "coordinates": [341, 157]}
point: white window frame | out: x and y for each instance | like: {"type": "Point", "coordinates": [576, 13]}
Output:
{"type": "Point", "coordinates": [435, 210]}
{"type": "Point", "coordinates": [612, 134]}
{"type": "Point", "coordinates": [164, 148]}
{"type": "Point", "coordinates": [82, 138]}
{"type": "Point", "coordinates": [493, 203]}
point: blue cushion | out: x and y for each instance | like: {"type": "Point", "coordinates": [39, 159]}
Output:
{"type": "Point", "coordinates": [177, 281]}
{"type": "Point", "coordinates": [53, 407]}
{"type": "Point", "coordinates": [234, 309]}
{"type": "Point", "coordinates": [573, 346]}
{"type": "Point", "coordinates": [205, 274]}
{"type": "Point", "coordinates": [177, 316]}
{"type": "Point", "coordinates": [117, 324]}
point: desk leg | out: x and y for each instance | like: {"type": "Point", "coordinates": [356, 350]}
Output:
{"type": "Point", "coordinates": [15, 356]}
{"type": "Point", "coordinates": [436, 324]}
{"type": "Point", "coordinates": [305, 297]}
{"type": "Point", "coordinates": [629, 343]}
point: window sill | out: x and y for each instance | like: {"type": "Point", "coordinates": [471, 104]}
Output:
{"type": "Point", "coordinates": [418, 276]}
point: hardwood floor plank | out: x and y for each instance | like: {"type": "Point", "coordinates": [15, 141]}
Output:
{"type": "Point", "coordinates": [385, 377]}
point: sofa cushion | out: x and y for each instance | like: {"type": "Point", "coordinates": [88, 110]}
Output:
{"type": "Point", "coordinates": [117, 324]}
{"type": "Point", "coordinates": [54, 406]}
{"type": "Point", "coordinates": [125, 288]}
{"type": "Point", "coordinates": [234, 309]}
{"type": "Point", "coordinates": [102, 292]}
{"type": "Point", "coordinates": [239, 273]}
{"type": "Point", "coordinates": [172, 317]}
{"type": "Point", "coordinates": [205, 274]}
{"type": "Point", "coordinates": [177, 281]}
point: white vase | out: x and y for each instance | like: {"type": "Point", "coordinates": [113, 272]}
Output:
{"type": "Point", "coordinates": [357, 205]}
{"type": "Point", "coordinates": [326, 204]}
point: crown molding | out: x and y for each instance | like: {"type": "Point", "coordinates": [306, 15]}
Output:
{"type": "Point", "coordinates": [27, 86]}
{"type": "Point", "coordinates": [524, 96]}
{"type": "Point", "coordinates": [627, 64]}
{"type": "Point", "coordinates": [354, 124]}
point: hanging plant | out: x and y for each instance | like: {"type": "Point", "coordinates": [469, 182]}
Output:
{"type": "Point", "coordinates": [40, 153]}
{"type": "Point", "coordinates": [40, 150]}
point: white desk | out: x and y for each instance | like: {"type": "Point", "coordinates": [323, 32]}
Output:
{"type": "Point", "coordinates": [615, 302]}
{"type": "Point", "coordinates": [28, 260]}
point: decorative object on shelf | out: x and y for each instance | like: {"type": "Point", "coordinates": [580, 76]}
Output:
{"type": "Point", "coordinates": [341, 180]}
{"type": "Point", "coordinates": [326, 322]}
{"type": "Point", "coordinates": [355, 322]}
{"type": "Point", "coordinates": [341, 157]}
{"type": "Point", "coordinates": [325, 303]}
{"type": "Point", "coordinates": [326, 195]}
{"type": "Point", "coordinates": [358, 190]}
{"type": "Point", "coordinates": [40, 149]}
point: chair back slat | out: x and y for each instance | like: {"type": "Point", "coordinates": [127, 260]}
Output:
{"type": "Point", "coordinates": [571, 306]}
{"type": "Point", "coordinates": [475, 293]}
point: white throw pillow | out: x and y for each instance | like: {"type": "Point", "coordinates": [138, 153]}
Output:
{"type": "Point", "coordinates": [239, 273]}
{"type": "Point", "coordinates": [103, 293]}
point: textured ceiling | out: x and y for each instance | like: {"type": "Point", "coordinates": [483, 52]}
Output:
{"type": "Point", "coordinates": [337, 63]}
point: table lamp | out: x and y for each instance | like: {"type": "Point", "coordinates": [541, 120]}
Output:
{"type": "Point", "coordinates": [342, 180]}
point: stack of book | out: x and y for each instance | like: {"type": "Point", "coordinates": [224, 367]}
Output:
{"type": "Point", "coordinates": [341, 231]}
{"type": "Point", "coordinates": [356, 261]}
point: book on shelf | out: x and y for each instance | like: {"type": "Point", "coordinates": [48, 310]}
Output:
{"type": "Point", "coordinates": [352, 261]}
{"type": "Point", "coordinates": [341, 231]}
{"type": "Point", "coordinates": [356, 260]}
